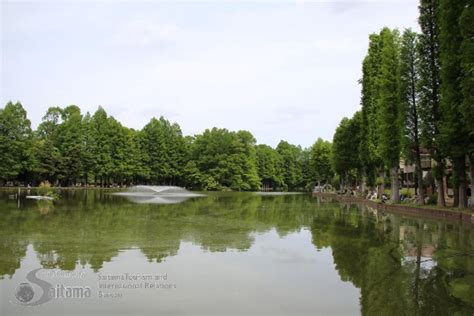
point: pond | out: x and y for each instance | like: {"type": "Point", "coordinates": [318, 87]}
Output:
{"type": "Point", "coordinates": [94, 253]}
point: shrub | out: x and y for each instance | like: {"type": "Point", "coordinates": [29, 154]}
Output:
{"type": "Point", "coordinates": [406, 192]}
{"type": "Point", "coordinates": [432, 199]}
{"type": "Point", "coordinates": [44, 188]}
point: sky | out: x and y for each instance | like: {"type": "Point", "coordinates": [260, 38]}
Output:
{"type": "Point", "coordinates": [279, 69]}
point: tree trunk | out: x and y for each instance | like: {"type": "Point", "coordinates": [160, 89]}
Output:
{"type": "Point", "coordinates": [440, 190]}
{"type": "Point", "coordinates": [395, 185]}
{"type": "Point", "coordinates": [471, 169]}
{"type": "Point", "coordinates": [419, 177]}
{"type": "Point", "coordinates": [382, 186]}
{"type": "Point", "coordinates": [459, 183]}
{"type": "Point", "coordinates": [462, 195]}
{"type": "Point", "coordinates": [416, 182]}
{"type": "Point", "coordinates": [462, 191]}
{"type": "Point", "coordinates": [362, 185]}
{"type": "Point", "coordinates": [456, 195]}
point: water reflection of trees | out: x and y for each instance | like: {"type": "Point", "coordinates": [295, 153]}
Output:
{"type": "Point", "coordinates": [401, 265]}
{"type": "Point", "coordinates": [91, 228]}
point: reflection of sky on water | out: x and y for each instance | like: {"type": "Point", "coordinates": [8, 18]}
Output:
{"type": "Point", "coordinates": [426, 263]}
{"type": "Point", "coordinates": [153, 199]}
{"type": "Point", "coordinates": [276, 275]}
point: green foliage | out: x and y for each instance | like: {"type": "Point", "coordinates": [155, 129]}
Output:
{"type": "Point", "coordinates": [432, 199]}
{"type": "Point", "coordinates": [100, 146]}
{"type": "Point", "coordinates": [429, 84]}
{"type": "Point", "coordinates": [406, 192]}
{"type": "Point", "coordinates": [292, 159]}
{"type": "Point", "coordinates": [454, 128]}
{"type": "Point", "coordinates": [410, 100]}
{"type": "Point", "coordinates": [44, 188]}
{"type": "Point", "coordinates": [389, 118]}
{"type": "Point", "coordinates": [163, 145]}
{"type": "Point", "coordinates": [224, 159]}
{"type": "Point", "coordinates": [346, 145]}
{"type": "Point", "coordinates": [369, 136]}
{"type": "Point", "coordinates": [466, 27]}
{"type": "Point", "coordinates": [320, 165]}
{"type": "Point", "coordinates": [15, 140]}
{"type": "Point", "coordinates": [462, 289]}
{"type": "Point", "coordinates": [43, 160]}
{"type": "Point", "coordinates": [409, 93]}
{"type": "Point", "coordinates": [70, 148]}
{"type": "Point", "coordinates": [270, 167]}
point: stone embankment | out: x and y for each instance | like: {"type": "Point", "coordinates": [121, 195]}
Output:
{"type": "Point", "coordinates": [448, 214]}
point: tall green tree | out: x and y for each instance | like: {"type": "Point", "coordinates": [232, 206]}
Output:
{"type": "Point", "coordinates": [225, 159]}
{"type": "Point", "coordinates": [120, 152]}
{"type": "Point", "coordinates": [69, 141]}
{"type": "Point", "coordinates": [409, 83]}
{"type": "Point", "coordinates": [87, 154]}
{"type": "Point", "coordinates": [429, 87]}
{"type": "Point", "coordinates": [292, 162]}
{"type": "Point", "coordinates": [320, 162]}
{"type": "Point", "coordinates": [44, 161]}
{"type": "Point", "coordinates": [368, 154]}
{"type": "Point", "coordinates": [245, 158]}
{"type": "Point", "coordinates": [345, 148]}
{"type": "Point", "coordinates": [163, 145]}
{"type": "Point", "coordinates": [100, 147]}
{"type": "Point", "coordinates": [389, 118]}
{"type": "Point", "coordinates": [44, 165]}
{"type": "Point", "coordinates": [454, 128]}
{"type": "Point", "coordinates": [15, 140]}
{"type": "Point", "coordinates": [270, 167]}
{"type": "Point", "coordinates": [467, 80]}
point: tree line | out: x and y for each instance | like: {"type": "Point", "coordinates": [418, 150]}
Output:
{"type": "Point", "coordinates": [417, 95]}
{"type": "Point", "coordinates": [70, 148]}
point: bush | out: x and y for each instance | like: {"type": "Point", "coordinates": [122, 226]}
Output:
{"type": "Point", "coordinates": [406, 192]}
{"type": "Point", "coordinates": [432, 199]}
{"type": "Point", "coordinates": [44, 188]}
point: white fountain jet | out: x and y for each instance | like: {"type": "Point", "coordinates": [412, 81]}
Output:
{"type": "Point", "coordinates": [158, 194]}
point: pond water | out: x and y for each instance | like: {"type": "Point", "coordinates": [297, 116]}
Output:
{"type": "Point", "coordinates": [93, 253]}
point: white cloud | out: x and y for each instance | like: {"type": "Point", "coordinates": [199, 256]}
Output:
{"type": "Point", "coordinates": [144, 33]}
{"type": "Point", "coordinates": [282, 71]}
